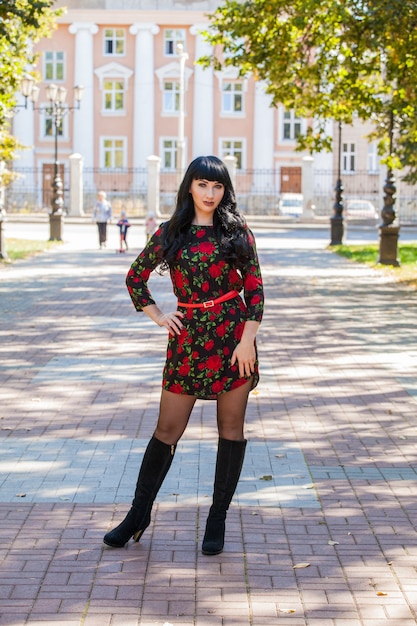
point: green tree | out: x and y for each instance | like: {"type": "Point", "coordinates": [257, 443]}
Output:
{"type": "Point", "coordinates": [329, 59]}
{"type": "Point", "coordinates": [22, 23]}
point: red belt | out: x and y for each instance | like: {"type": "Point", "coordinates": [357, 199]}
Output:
{"type": "Point", "coordinates": [209, 303]}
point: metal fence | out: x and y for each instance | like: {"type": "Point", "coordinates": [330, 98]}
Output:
{"type": "Point", "coordinates": [257, 191]}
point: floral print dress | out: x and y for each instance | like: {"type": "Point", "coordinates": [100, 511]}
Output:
{"type": "Point", "coordinates": [198, 359]}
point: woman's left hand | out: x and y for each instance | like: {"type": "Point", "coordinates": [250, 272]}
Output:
{"type": "Point", "coordinates": [245, 356]}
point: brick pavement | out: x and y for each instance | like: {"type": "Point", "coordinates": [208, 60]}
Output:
{"type": "Point", "coordinates": [329, 479]}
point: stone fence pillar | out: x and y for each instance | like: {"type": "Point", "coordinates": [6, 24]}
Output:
{"type": "Point", "coordinates": [154, 168]}
{"type": "Point", "coordinates": [231, 163]}
{"type": "Point", "coordinates": [76, 185]}
{"type": "Point", "coordinates": [307, 186]}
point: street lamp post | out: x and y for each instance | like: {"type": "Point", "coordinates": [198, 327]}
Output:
{"type": "Point", "coordinates": [56, 109]}
{"type": "Point", "coordinates": [336, 221]}
{"type": "Point", "coordinates": [389, 229]}
{"type": "Point", "coordinates": [183, 56]}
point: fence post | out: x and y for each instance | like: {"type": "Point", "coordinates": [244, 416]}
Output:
{"type": "Point", "coordinates": [231, 163]}
{"type": "Point", "coordinates": [154, 168]}
{"type": "Point", "coordinates": [76, 185]}
{"type": "Point", "coordinates": [307, 185]}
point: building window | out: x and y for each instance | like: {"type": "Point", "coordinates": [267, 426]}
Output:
{"type": "Point", "coordinates": [232, 97]}
{"type": "Point", "coordinates": [169, 154]}
{"type": "Point", "coordinates": [233, 147]}
{"type": "Point", "coordinates": [171, 97]}
{"type": "Point", "coordinates": [113, 96]}
{"type": "Point", "coordinates": [172, 37]}
{"type": "Point", "coordinates": [291, 126]}
{"type": "Point", "coordinates": [373, 158]}
{"type": "Point", "coordinates": [114, 42]}
{"type": "Point", "coordinates": [113, 152]}
{"type": "Point", "coordinates": [54, 66]}
{"type": "Point", "coordinates": [49, 126]}
{"type": "Point", "coordinates": [349, 157]}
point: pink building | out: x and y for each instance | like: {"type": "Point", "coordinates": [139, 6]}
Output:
{"type": "Point", "coordinates": [127, 61]}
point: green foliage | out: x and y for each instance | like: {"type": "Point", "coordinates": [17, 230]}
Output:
{"type": "Point", "coordinates": [328, 59]}
{"type": "Point", "coordinates": [22, 23]}
{"type": "Point", "coordinates": [24, 248]}
{"type": "Point", "coordinates": [369, 253]}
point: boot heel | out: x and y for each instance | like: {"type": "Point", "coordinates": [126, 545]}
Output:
{"type": "Point", "coordinates": [138, 535]}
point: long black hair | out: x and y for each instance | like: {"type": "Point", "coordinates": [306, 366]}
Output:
{"type": "Point", "coordinates": [228, 223]}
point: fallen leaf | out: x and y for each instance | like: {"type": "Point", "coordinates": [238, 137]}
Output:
{"type": "Point", "coordinates": [301, 565]}
{"type": "Point", "coordinates": [381, 593]}
{"type": "Point", "coordinates": [266, 477]}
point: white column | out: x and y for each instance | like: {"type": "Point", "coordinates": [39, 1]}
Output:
{"type": "Point", "coordinates": [83, 120]}
{"type": "Point", "coordinates": [24, 131]}
{"type": "Point", "coordinates": [203, 113]}
{"type": "Point", "coordinates": [144, 97]}
{"type": "Point", "coordinates": [263, 138]}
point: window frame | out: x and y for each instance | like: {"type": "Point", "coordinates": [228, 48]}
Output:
{"type": "Point", "coordinates": [174, 41]}
{"type": "Point", "coordinates": [233, 95]}
{"type": "Point", "coordinates": [373, 161]}
{"type": "Point", "coordinates": [114, 39]}
{"type": "Point", "coordinates": [291, 122]}
{"type": "Point", "coordinates": [54, 63]}
{"type": "Point", "coordinates": [113, 94]}
{"type": "Point", "coordinates": [103, 151]}
{"type": "Point", "coordinates": [166, 150]}
{"type": "Point", "coordinates": [348, 154]}
{"type": "Point", "coordinates": [174, 94]}
{"type": "Point", "coordinates": [45, 116]}
{"type": "Point", "coordinates": [225, 152]}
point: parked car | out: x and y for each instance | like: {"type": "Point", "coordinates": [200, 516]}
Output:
{"type": "Point", "coordinates": [360, 210]}
{"type": "Point", "coordinates": [290, 204]}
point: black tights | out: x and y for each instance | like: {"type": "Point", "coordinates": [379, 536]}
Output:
{"type": "Point", "coordinates": [175, 410]}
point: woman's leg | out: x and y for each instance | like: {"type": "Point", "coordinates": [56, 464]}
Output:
{"type": "Point", "coordinates": [231, 408]}
{"type": "Point", "coordinates": [174, 414]}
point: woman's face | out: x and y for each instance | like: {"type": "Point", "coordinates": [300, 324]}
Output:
{"type": "Point", "coordinates": [207, 195]}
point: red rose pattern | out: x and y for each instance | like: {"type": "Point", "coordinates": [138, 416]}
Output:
{"type": "Point", "coordinates": [198, 360]}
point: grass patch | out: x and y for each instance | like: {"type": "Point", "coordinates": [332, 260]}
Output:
{"type": "Point", "coordinates": [23, 248]}
{"type": "Point", "coordinates": [368, 254]}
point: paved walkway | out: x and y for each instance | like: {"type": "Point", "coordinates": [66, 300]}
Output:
{"type": "Point", "coordinates": [323, 527]}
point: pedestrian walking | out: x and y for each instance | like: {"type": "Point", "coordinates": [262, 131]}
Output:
{"type": "Point", "coordinates": [102, 214]}
{"type": "Point", "coordinates": [124, 226]}
{"type": "Point", "coordinates": [211, 354]}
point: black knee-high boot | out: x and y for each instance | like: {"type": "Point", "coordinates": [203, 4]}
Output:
{"type": "Point", "coordinates": [155, 465]}
{"type": "Point", "coordinates": [230, 455]}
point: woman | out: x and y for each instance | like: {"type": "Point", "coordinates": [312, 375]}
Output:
{"type": "Point", "coordinates": [102, 214]}
{"type": "Point", "coordinates": [211, 256]}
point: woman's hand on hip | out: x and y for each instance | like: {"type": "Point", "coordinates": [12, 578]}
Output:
{"type": "Point", "coordinates": [172, 322]}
